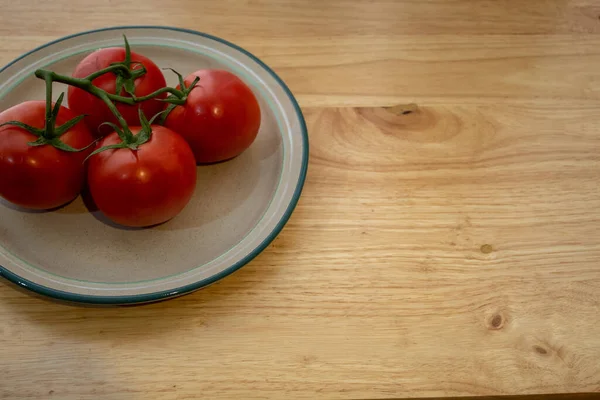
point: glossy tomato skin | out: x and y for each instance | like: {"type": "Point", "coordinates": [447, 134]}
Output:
{"type": "Point", "coordinates": [143, 187]}
{"type": "Point", "coordinates": [40, 177]}
{"type": "Point", "coordinates": [220, 119]}
{"type": "Point", "coordinates": [83, 102]}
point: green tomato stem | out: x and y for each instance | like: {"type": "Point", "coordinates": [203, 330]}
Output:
{"type": "Point", "coordinates": [177, 93]}
{"type": "Point", "coordinates": [86, 84]}
{"type": "Point", "coordinates": [111, 106]}
{"type": "Point", "coordinates": [113, 68]}
{"type": "Point", "coordinates": [48, 125]}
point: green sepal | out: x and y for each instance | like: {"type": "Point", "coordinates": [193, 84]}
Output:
{"type": "Point", "coordinates": [179, 77]}
{"type": "Point", "coordinates": [121, 145]}
{"type": "Point", "coordinates": [59, 144]}
{"type": "Point", "coordinates": [119, 84]}
{"type": "Point", "coordinates": [144, 134]}
{"type": "Point", "coordinates": [156, 116]}
{"type": "Point", "coordinates": [57, 105]}
{"type": "Point", "coordinates": [122, 135]}
{"type": "Point", "coordinates": [61, 130]}
{"type": "Point", "coordinates": [39, 142]}
{"type": "Point", "coordinates": [34, 131]}
{"type": "Point", "coordinates": [127, 61]}
{"type": "Point", "coordinates": [129, 86]}
{"type": "Point", "coordinates": [166, 113]}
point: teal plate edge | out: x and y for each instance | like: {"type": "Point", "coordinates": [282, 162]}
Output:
{"type": "Point", "coordinates": [163, 295]}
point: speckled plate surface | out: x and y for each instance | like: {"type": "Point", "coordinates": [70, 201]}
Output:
{"type": "Point", "coordinates": [239, 206]}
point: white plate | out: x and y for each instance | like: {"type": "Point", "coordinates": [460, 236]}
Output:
{"type": "Point", "coordinates": [238, 208]}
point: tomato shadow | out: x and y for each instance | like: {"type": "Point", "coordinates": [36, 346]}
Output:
{"type": "Point", "coordinates": [267, 145]}
{"type": "Point", "coordinates": [15, 207]}
{"type": "Point", "coordinates": [93, 209]}
{"type": "Point", "coordinates": [221, 189]}
{"type": "Point", "coordinates": [238, 187]}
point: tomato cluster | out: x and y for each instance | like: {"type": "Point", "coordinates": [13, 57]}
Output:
{"type": "Point", "coordinates": [139, 172]}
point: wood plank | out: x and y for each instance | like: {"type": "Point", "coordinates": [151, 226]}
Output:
{"type": "Point", "coordinates": [379, 70]}
{"type": "Point", "coordinates": [376, 70]}
{"type": "Point", "coordinates": [296, 19]}
{"type": "Point", "coordinates": [450, 251]}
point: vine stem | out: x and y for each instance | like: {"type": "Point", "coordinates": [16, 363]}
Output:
{"type": "Point", "coordinates": [177, 93]}
{"type": "Point", "coordinates": [125, 80]}
{"type": "Point", "coordinates": [50, 76]}
{"type": "Point", "coordinates": [112, 68]}
{"type": "Point", "coordinates": [111, 106]}
{"type": "Point", "coordinates": [86, 84]}
{"type": "Point", "coordinates": [49, 125]}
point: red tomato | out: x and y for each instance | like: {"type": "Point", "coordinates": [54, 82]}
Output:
{"type": "Point", "coordinates": [146, 186]}
{"type": "Point", "coordinates": [220, 119]}
{"type": "Point", "coordinates": [40, 177]}
{"type": "Point", "coordinates": [83, 102]}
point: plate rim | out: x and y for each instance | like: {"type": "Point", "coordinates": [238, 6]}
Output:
{"type": "Point", "coordinates": [191, 287]}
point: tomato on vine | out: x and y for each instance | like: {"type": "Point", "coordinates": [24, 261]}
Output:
{"type": "Point", "coordinates": [142, 176]}
{"type": "Point", "coordinates": [138, 77]}
{"type": "Point", "coordinates": [220, 118]}
{"type": "Point", "coordinates": [41, 165]}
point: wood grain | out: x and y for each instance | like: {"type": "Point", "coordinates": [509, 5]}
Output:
{"type": "Point", "coordinates": [447, 246]}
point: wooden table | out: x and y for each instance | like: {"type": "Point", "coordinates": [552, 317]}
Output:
{"type": "Point", "coordinates": [450, 250]}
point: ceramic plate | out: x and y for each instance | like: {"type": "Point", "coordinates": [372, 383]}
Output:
{"type": "Point", "coordinates": [238, 208]}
